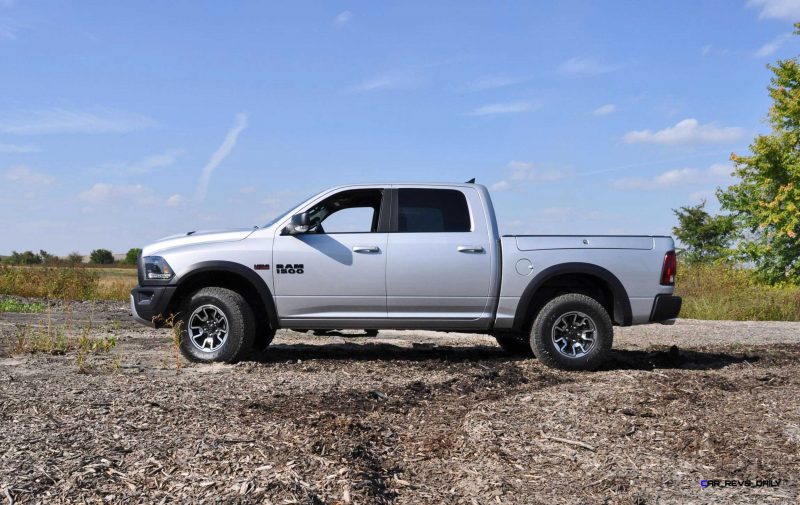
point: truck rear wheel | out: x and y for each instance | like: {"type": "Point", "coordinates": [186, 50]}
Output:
{"type": "Point", "coordinates": [572, 332]}
{"type": "Point", "coordinates": [217, 325]}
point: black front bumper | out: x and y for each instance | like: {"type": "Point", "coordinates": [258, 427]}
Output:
{"type": "Point", "coordinates": [148, 304]}
{"type": "Point", "coordinates": [665, 309]}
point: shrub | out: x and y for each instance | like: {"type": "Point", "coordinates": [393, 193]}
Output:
{"type": "Point", "coordinates": [133, 256]}
{"type": "Point", "coordinates": [74, 258]}
{"type": "Point", "coordinates": [101, 257]}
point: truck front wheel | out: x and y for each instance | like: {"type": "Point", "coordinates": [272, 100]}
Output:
{"type": "Point", "coordinates": [217, 325]}
{"type": "Point", "coordinates": [572, 332]}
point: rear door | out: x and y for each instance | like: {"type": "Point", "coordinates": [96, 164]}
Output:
{"type": "Point", "coordinates": [438, 269]}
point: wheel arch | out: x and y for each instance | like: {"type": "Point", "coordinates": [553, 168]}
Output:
{"type": "Point", "coordinates": [227, 274]}
{"type": "Point", "coordinates": [582, 277]}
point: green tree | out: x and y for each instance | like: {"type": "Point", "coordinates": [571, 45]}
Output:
{"type": "Point", "coordinates": [766, 202]}
{"type": "Point", "coordinates": [133, 256]}
{"type": "Point", "coordinates": [101, 257]}
{"type": "Point", "coordinates": [705, 238]}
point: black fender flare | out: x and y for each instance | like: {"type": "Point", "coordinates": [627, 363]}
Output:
{"type": "Point", "coordinates": [242, 271]}
{"type": "Point", "coordinates": [622, 303]}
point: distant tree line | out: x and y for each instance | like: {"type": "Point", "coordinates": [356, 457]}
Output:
{"type": "Point", "coordinates": [762, 225]}
{"type": "Point", "coordinates": [96, 257]}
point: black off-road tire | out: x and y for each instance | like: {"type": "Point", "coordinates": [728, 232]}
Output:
{"type": "Point", "coordinates": [241, 325]}
{"type": "Point", "coordinates": [514, 344]}
{"type": "Point", "coordinates": [370, 333]}
{"type": "Point", "coordinates": [542, 337]}
{"type": "Point", "coordinates": [264, 336]}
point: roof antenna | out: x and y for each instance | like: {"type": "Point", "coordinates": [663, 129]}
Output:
{"type": "Point", "coordinates": [471, 181]}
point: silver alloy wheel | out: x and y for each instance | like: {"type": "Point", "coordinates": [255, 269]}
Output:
{"type": "Point", "coordinates": [574, 334]}
{"type": "Point", "coordinates": [208, 328]}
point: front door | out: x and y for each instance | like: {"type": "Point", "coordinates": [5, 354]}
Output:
{"type": "Point", "coordinates": [439, 268]}
{"type": "Point", "coordinates": [336, 273]}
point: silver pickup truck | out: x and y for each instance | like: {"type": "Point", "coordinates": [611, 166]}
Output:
{"type": "Point", "coordinates": [405, 256]}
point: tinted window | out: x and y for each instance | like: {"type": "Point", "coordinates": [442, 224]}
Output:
{"type": "Point", "coordinates": [432, 210]}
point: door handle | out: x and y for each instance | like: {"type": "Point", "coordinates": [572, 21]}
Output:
{"type": "Point", "coordinates": [470, 249]}
{"type": "Point", "coordinates": [366, 249]}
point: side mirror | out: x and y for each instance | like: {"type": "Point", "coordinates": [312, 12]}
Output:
{"type": "Point", "coordinates": [300, 224]}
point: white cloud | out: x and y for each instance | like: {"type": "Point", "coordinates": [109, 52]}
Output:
{"type": "Point", "coordinates": [16, 148]}
{"type": "Point", "coordinates": [493, 82]}
{"type": "Point", "coordinates": [688, 131]}
{"type": "Point", "coordinates": [342, 18]}
{"type": "Point", "coordinates": [575, 67]}
{"type": "Point", "coordinates": [25, 175]}
{"type": "Point", "coordinates": [102, 192]}
{"type": "Point", "coordinates": [502, 108]}
{"type": "Point", "coordinates": [605, 109]}
{"type": "Point", "coordinates": [219, 155]}
{"type": "Point", "coordinates": [777, 9]}
{"type": "Point", "coordinates": [717, 172]}
{"type": "Point", "coordinates": [392, 80]}
{"type": "Point", "coordinates": [500, 186]}
{"type": "Point", "coordinates": [174, 201]}
{"type": "Point", "coordinates": [770, 47]}
{"type": "Point", "coordinates": [71, 121]}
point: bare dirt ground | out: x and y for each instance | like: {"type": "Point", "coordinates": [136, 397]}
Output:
{"type": "Point", "coordinates": [407, 418]}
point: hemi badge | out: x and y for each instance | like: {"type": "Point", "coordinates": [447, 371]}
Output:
{"type": "Point", "coordinates": [261, 267]}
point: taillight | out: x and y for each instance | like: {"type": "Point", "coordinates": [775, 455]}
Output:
{"type": "Point", "coordinates": [669, 270]}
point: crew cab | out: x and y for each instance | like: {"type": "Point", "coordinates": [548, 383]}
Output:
{"type": "Point", "coordinates": [404, 256]}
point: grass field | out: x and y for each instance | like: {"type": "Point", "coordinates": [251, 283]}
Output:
{"type": "Point", "coordinates": [709, 291]}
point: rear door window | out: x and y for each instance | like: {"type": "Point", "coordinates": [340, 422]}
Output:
{"type": "Point", "coordinates": [432, 211]}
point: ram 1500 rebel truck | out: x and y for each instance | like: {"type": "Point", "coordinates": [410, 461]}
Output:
{"type": "Point", "coordinates": [405, 256]}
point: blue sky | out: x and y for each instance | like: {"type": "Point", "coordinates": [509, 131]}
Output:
{"type": "Point", "coordinates": [121, 123]}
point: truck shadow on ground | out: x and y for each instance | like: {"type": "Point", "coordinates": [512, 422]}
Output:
{"type": "Point", "coordinates": [619, 359]}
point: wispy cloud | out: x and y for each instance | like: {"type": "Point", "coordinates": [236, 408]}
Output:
{"type": "Point", "coordinates": [500, 186]}
{"type": "Point", "coordinates": [491, 82]}
{"type": "Point", "coordinates": [154, 161]}
{"type": "Point", "coordinates": [777, 9]}
{"type": "Point", "coordinates": [26, 175]}
{"type": "Point", "coordinates": [72, 121]}
{"type": "Point", "coordinates": [219, 155]}
{"type": "Point", "coordinates": [604, 110]}
{"type": "Point", "coordinates": [502, 108]}
{"type": "Point", "coordinates": [688, 131]}
{"type": "Point", "coordinates": [342, 19]}
{"type": "Point", "coordinates": [175, 201]}
{"type": "Point", "coordinates": [717, 172]}
{"type": "Point", "coordinates": [103, 192]}
{"type": "Point", "coordinates": [577, 67]}
{"type": "Point", "coordinates": [16, 148]}
{"type": "Point", "coordinates": [771, 47]}
{"type": "Point", "coordinates": [520, 171]}
{"type": "Point", "coordinates": [391, 80]}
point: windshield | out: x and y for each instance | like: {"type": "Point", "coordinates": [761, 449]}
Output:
{"type": "Point", "coordinates": [286, 213]}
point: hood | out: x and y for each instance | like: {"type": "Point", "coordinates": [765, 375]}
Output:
{"type": "Point", "coordinates": [198, 237]}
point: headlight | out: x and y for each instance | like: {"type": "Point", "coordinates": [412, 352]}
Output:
{"type": "Point", "coordinates": [157, 268]}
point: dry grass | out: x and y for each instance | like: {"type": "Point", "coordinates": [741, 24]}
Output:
{"type": "Point", "coordinates": [719, 292]}
{"type": "Point", "coordinates": [67, 283]}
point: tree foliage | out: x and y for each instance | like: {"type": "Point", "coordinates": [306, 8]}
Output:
{"type": "Point", "coordinates": [101, 257]}
{"type": "Point", "coordinates": [706, 238]}
{"type": "Point", "coordinates": [766, 202]}
{"type": "Point", "coordinates": [133, 256]}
